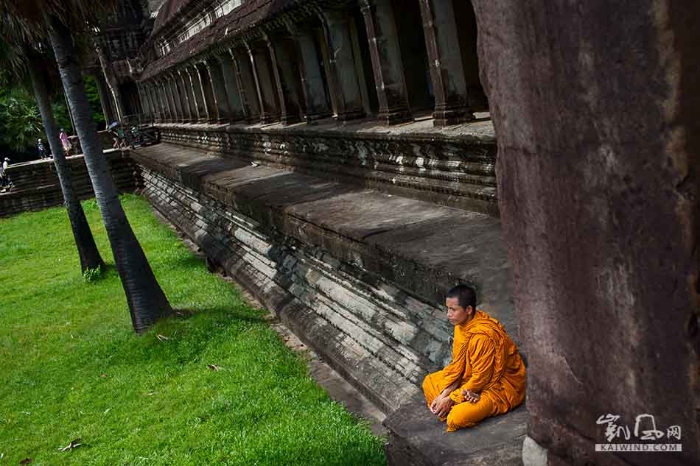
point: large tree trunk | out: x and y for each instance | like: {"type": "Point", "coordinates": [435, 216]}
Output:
{"type": "Point", "coordinates": [146, 300]}
{"type": "Point", "coordinates": [87, 249]}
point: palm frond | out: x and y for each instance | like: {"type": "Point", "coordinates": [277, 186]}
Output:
{"type": "Point", "coordinates": [14, 64]}
{"type": "Point", "coordinates": [23, 36]}
{"type": "Point", "coordinates": [18, 24]}
{"type": "Point", "coordinates": [78, 15]}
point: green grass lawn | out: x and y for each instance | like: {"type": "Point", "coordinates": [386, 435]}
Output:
{"type": "Point", "coordinates": [72, 367]}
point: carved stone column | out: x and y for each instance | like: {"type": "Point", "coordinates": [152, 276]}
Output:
{"type": "Point", "coordinates": [228, 71]}
{"type": "Point", "coordinates": [174, 95]}
{"type": "Point", "coordinates": [144, 103]}
{"type": "Point", "coordinates": [265, 84]}
{"type": "Point", "coordinates": [189, 91]}
{"type": "Point", "coordinates": [169, 111]}
{"type": "Point", "coordinates": [198, 94]}
{"type": "Point", "coordinates": [179, 96]}
{"type": "Point", "coordinates": [155, 110]}
{"type": "Point", "coordinates": [343, 79]}
{"type": "Point", "coordinates": [209, 98]}
{"type": "Point", "coordinates": [148, 102]}
{"type": "Point", "coordinates": [157, 101]}
{"type": "Point", "coordinates": [219, 90]}
{"type": "Point", "coordinates": [470, 58]}
{"type": "Point", "coordinates": [112, 83]}
{"type": "Point", "coordinates": [446, 69]}
{"type": "Point", "coordinates": [285, 80]}
{"type": "Point", "coordinates": [167, 106]}
{"type": "Point", "coordinates": [315, 94]}
{"type": "Point", "coordinates": [173, 100]}
{"type": "Point", "coordinates": [165, 95]}
{"type": "Point", "coordinates": [386, 61]}
{"type": "Point", "coordinates": [103, 92]}
{"type": "Point", "coordinates": [184, 96]}
{"type": "Point", "coordinates": [157, 105]}
{"type": "Point", "coordinates": [250, 99]}
{"type": "Point", "coordinates": [598, 156]}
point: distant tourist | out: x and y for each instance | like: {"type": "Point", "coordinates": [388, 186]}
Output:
{"type": "Point", "coordinates": [65, 142]}
{"type": "Point", "coordinates": [5, 182]}
{"type": "Point", "coordinates": [486, 376]}
{"type": "Point", "coordinates": [41, 149]}
{"type": "Point", "coordinates": [122, 137]}
{"type": "Point", "coordinates": [118, 136]}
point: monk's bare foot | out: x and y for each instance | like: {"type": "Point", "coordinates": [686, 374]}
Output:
{"type": "Point", "coordinates": [470, 396]}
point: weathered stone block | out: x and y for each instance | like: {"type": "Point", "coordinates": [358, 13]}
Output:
{"type": "Point", "coordinates": [452, 167]}
{"type": "Point", "coordinates": [360, 276]}
{"type": "Point", "coordinates": [418, 438]}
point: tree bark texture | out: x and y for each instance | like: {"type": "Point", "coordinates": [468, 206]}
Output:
{"type": "Point", "coordinates": [147, 301]}
{"type": "Point", "coordinates": [84, 241]}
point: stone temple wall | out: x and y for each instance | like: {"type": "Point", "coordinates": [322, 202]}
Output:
{"type": "Point", "coordinates": [450, 167]}
{"type": "Point", "coordinates": [303, 284]}
{"type": "Point", "coordinates": [359, 275]}
{"type": "Point", "coordinates": [36, 185]}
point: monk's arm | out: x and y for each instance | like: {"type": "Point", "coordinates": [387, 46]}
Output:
{"type": "Point", "coordinates": [442, 405]}
{"type": "Point", "coordinates": [482, 355]}
{"type": "Point", "coordinates": [450, 388]}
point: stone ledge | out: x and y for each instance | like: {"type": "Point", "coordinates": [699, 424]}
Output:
{"type": "Point", "coordinates": [417, 438]}
{"type": "Point", "coordinates": [453, 167]}
{"type": "Point", "coordinates": [358, 275]}
{"type": "Point", "coordinates": [410, 243]}
{"type": "Point", "coordinates": [480, 131]}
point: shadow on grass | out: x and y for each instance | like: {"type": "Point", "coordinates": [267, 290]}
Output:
{"type": "Point", "coordinates": [193, 260]}
{"type": "Point", "coordinates": [231, 311]}
{"type": "Point", "coordinates": [182, 338]}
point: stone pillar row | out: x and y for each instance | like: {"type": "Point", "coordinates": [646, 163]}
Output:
{"type": "Point", "coordinates": [386, 61]}
{"type": "Point", "coordinates": [289, 77]}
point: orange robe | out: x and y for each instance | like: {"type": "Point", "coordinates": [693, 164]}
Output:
{"type": "Point", "coordinates": [486, 361]}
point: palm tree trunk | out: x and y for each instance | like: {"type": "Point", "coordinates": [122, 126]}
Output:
{"type": "Point", "coordinates": [70, 116]}
{"type": "Point", "coordinates": [87, 249]}
{"type": "Point", "coordinates": [146, 300]}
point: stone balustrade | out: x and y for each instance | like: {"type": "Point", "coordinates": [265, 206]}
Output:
{"type": "Point", "coordinates": [36, 185]}
{"type": "Point", "coordinates": [452, 167]}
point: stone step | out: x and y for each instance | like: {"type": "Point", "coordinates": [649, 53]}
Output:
{"type": "Point", "coordinates": [359, 275]}
{"type": "Point", "coordinates": [374, 236]}
{"type": "Point", "coordinates": [418, 438]}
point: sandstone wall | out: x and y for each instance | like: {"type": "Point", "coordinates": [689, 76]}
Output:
{"type": "Point", "coordinates": [36, 185]}
{"type": "Point", "coordinates": [453, 167]}
{"type": "Point", "coordinates": [359, 275]}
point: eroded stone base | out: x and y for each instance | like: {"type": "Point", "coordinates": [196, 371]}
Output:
{"type": "Point", "coordinates": [360, 276]}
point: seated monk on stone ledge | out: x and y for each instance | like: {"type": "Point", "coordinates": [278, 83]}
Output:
{"type": "Point", "coordinates": [486, 376]}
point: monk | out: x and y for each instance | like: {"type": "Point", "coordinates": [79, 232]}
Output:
{"type": "Point", "coordinates": [486, 376]}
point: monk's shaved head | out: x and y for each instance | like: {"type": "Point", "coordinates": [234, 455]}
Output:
{"type": "Point", "coordinates": [466, 296]}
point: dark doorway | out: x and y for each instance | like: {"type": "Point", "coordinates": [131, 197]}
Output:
{"type": "Point", "coordinates": [466, 30]}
